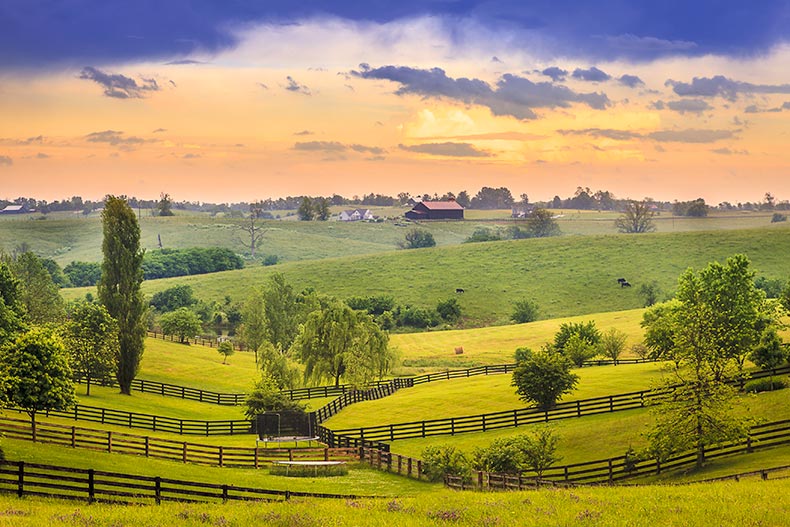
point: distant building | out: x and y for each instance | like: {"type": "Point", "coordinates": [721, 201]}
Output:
{"type": "Point", "coordinates": [521, 210]}
{"type": "Point", "coordinates": [14, 209]}
{"type": "Point", "coordinates": [436, 210]}
{"type": "Point", "coordinates": [356, 215]}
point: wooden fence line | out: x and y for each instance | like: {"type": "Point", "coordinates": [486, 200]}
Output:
{"type": "Point", "coordinates": [123, 443]}
{"type": "Point", "coordinates": [367, 436]}
{"type": "Point", "coordinates": [33, 479]}
{"type": "Point", "coordinates": [611, 470]}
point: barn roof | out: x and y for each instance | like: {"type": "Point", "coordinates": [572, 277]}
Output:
{"type": "Point", "coordinates": [442, 205]}
{"type": "Point", "coordinates": [12, 208]}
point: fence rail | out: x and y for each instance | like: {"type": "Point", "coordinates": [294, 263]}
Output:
{"type": "Point", "coordinates": [619, 468]}
{"type": "Point", "coordinates": [355, 437]}
{"type": "Point", "coordinates": [33, 479]}
{"type": "Point", "coordinates": [156, 423]}
{"type": "Point", "coordinates": [123, 443]}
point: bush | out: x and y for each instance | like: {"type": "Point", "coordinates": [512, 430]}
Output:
{"type": "Point", "coordinates": [483, 234]}
{"type": "Point", "coordinates": [584, 330]}
{"type": "Point", "coordinates": [416, 317]}
{"type": "Point", "coordinates": [173, 298]}
{"type": "Point", "coordinates": [444, 460]}
{"type": "Point", "coordinates": [270, 259]}
{"type": "Point", "coordinates": [418, 238]}
{"type": "Point", "coordinates": [778, 217]}
{"type": "Point", "coordinates": [267, 397]}
{"type": "Point", "coordinates": [83, 274]}
{"type": "Point", "coordinates": [449, 310]}
{"type": "Point", "coordinates": [579, 350]}
{"type": "Point", "coordinates": [165, 263]}
{"type": "Point", "coordinates": [502, 455]}
{"type": "Point", "coordinates": [765, 385]}
{"type": "Point", "coordinates": [524, 311]}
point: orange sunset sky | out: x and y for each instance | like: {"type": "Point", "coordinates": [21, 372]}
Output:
{"type": "Point", "coordinates": [423, 101]}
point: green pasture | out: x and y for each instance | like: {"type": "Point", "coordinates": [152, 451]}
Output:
{"type": "Point", "coordinates": [598, 436]}
{"type": "Point", "coordinates": [748, 503]}
{"type": "Point", "coordinates": [565, 276]}
{"type": "Point", "coordinates": [360, 480]}
{"type": "Point", "coordinates": [433, 351]}
{"type": "Point", "coordinates": [485, 394]}
{"type": "Point", "coordinates": [197, 367]}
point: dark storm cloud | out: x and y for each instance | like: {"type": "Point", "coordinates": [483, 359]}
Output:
{"type": "Point", "coordinates": [119, 86]}
{"type": "Point", "coordinates": [446, 149]}
{"type": "Point", "coordinates": [512, 95]}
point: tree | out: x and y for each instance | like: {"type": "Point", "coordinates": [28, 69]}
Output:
{"type": "Point", "coordinates": [543, 377]}
{"type": "Point", "coordinates": [717, 319]}
{"type": "Point", "coordinates": [164, 207]}
{"type": "Point", "coordinates": [119, 286]}
{"type": "Point", "coordinates": [579, 350]}
{"type": "Point", "coordinates": [335, 339]}
{"type": "Point", "coordinates": [444, 460]}
{"type": "Point", "coordinates": [283, 311]}
{"type": "Point", "coordinates": [55, 272]}
{"type": "Point", "coordinates": [35, 373]}
{"type": "Point", "coordinates": [449, 310]}
{"type": "Point", "coordinates": [585, 331]}
{"type": "Point", "coordinates": [226, 350]}
{"type": "Point", "coordinates": [321, 209]}
{"type": "Point", "coordinates": [183, 322]}
{"type": "Point", "coordinates": [252, 229]}
{"type": "Point", "coordinates": [12, 314]}
{"type": "Point", "coordinates": [91, 338]}
{"type": "Point", "coordinates": [524, 311]}
{"type": "Point", "coordinates": [612, 344]}
{"type": "Point", "coordinates": [418, 238]}
{"type": "Point", "coordinates": [173, 298]}
{"type": "Point", "coordinates": [83, 274]}
{"type": "Point", "coordinates": [650, 293]}
{"type": "Point", "coordinates": [37, 292]}
{"type": "Point", "coordinates": [541, 224]}
{"type": "Point", "coordinates": [306, 211]}
{"type": "Point", "coordinates": [254, 328]}
{"type": "Point", "coordinates": [636, 218]}
{"type": "Point", "coordinates": [540, 450]}
{"type": "Point", "coordinates": [769, 354]}
{"type": "Point", "coordinates": [266, 396]}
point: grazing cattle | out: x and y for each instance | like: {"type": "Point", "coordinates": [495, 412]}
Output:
{"type": "Point", "coordinates": [621, 281]}
{"type": "Point", "coordinates": [459, 290]}
{"type": "Point", "coordinates": [625, 284]}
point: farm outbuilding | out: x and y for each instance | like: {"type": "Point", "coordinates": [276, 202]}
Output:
{"type": "Point", "coordinates": [14, 209]}
{"type": "Point", "coordinates": [436, 210]}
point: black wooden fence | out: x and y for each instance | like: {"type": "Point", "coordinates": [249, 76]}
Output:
{"type": "Point", "coordinates": [619, 468]}
{"type": "Point", "coordinates": [370, 436]}
{"type": "Point", "coordinates": [34, 479]}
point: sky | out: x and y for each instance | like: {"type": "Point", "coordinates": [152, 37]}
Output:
{"type": "Point", "coordinates": [240, 100]}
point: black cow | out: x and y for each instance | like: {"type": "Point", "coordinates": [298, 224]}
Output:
{"type": "Point", "coordinates": [625, 284]}
{"type": "Point", "coordinates": [459, 290]}
{"type": "Point", "coordinates": [621, 281]}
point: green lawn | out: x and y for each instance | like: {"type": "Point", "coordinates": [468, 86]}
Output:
{"type": "Point", "coordinates": [484, 394]}
{"type": "Point", "coordinates": [565, 276]}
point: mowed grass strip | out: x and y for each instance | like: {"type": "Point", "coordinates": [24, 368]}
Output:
{"type": "Point", "coordinates": [598, 436]}
{"type": "Point", "coordinates": [698, 505]}
{"type": "Point", "coordinates": [566, 276]}
{"type": "Point", "coordinates": [484, 394]}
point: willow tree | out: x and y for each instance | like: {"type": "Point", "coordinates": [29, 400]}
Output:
{"type": "Point", "coordinates": [336, 340]}
{"type": "Point", "coordinates": [119, 286]}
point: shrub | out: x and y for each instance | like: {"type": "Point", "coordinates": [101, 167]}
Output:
{"type": "Point", "coordinates": [640, 350]}
{"type": "Point", "coordinates": [524, 311]}
{"type": "Point", "coordinates": [483, 234]}
{"type": "Point", "coordinates": [778, 217]}
{"type": "Point", "coordinates": [270, 259]}
{"type": "Point", "coordinates": [535, 451]}
{"type": "Point", "coordinates": [765, 385]}
{"type": "Point", "coordinates": [579, 350]}
{"type": "Point", "coordinates": [267, 397]}
{"type": "Point", "coordinates": [449, 310]}
{"type": "Point", "coordinates": [444, 460]}
{"type": "Point", "coordinates": [416, 317]}
{"type": "Point", "coordinates": [418, 238]}
{"type": "Point", "coordinates": [173, 298]}
{"type": "Point", "coordinates": [613, 344]}
{"type": "Point", "coordinates": [584, 330]}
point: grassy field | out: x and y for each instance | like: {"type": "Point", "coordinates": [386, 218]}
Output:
{"type": "Point", "coordinates": [744, 504]}
{"type": "Point", "coordinates": [360, 480]}
{"type": "Point", "coordinates": [566, 276]}
{"type": "Point", "coordinates": [598, 436]}
{"type": "Point", "coordinates": [484, 394]}
{"type": "Point", "coordinates": [433, 351]}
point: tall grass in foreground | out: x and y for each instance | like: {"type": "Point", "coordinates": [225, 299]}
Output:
{"type": "Point", "coordinates": [729, 503]}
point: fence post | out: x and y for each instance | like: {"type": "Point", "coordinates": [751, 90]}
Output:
{"type": "Point", "coordinates": [147, 446]}
{"type": "Point", "coordinates": [91, 485]}
{"type": "Point", "coordinates": [287, 495]}
{"type": "Point", "coordinates": [73, 437]}
{"type": "Point", "coordinates": [419, 468]}
{"type": "Point", "coordinates": [764, 475]}
{"type": "Point", "coordinates": [221, 455]}
{"type": "Point", "coordinates": [224, 493]}
{"type": "Point", "coordinates": [256, 456]}
{"type": "Point", "coordinates": [109, 442]}
{"type": "Point", "coordinates": [184, 452]}
{"type": "Point", "coordinates": [611, 404]}
{"type": "Point", "coordinates": [610, 470]}
{"type": "Point", "coordinates": [480, 479]}
{"type": "Point", "coordinates": [20, 479]}
{"type": "Point", "coordinates": [158, 490]}
{"type": "Point", "coordinates": [578, 408]}
{"type": "Point", "coordinates": [408, 467]}
{"type": "Point", "coordinates": [749, 444]}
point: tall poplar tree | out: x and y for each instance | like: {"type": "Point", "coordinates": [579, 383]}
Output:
{"type": "Point", "coordinates": [119, 287]}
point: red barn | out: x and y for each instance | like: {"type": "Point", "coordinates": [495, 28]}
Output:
{"type": "Point", "coordinates": [436, 210]}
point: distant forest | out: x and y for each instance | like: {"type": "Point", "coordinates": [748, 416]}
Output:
{"type": "Point", "coordinates": [485, 198]}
